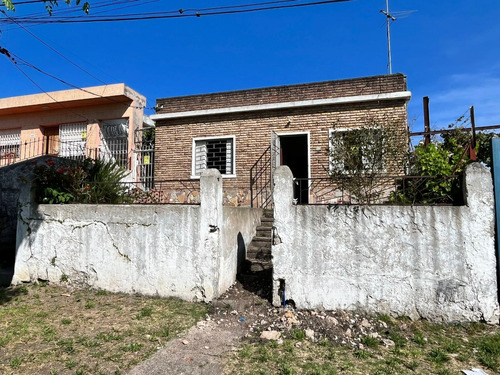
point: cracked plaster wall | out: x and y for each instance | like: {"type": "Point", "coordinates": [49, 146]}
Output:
{"type": "Point", "coordinates": [164, 250]}
{"type": "Point", "coordinates": [432, 262]}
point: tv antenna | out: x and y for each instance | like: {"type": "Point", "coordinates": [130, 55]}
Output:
{"type": "Point", "coordinates": [390, 18]}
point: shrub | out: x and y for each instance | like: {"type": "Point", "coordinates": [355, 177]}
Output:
{"type": "Point", "coordinates": [89, 181]}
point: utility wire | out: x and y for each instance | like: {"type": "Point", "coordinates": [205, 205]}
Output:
{"type": "Point", "coordinates": [53, 49]}
{"type": "Point", "coordinates": [14, 62]}
{"type": "Point", "coordinates": [166, 15]}
{"type": "Point", "coordinates": [15, 59]}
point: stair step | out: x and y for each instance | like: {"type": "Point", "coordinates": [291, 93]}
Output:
{"type": "Point", "coordinates": [256, 265]}
{"type": "Point", "coordinates": [258, 253]}
{"type": "Point", "coordinates": [253, 252]}
{"type": "Point", "coordinates": [267, 219]}
{"type": "Point", "coordinates": [264, 234]}
{"type": "Point", "coordinates": [265, 243]}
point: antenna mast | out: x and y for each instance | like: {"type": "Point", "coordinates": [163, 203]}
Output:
{"type": "Point", "coordinates": [389, 18]}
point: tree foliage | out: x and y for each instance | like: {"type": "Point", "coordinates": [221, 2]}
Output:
{"type": "Point", "coordinates": [360, 157]}
{"type": "Point", "coordinates": [88, 181]}
{"type": "Point", "coordinates": [50, 4]}
{"type": "Point", "coordinates": [441, 164]}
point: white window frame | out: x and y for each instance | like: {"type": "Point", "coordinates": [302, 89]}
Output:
{"type": "Point", "coordinates": [193, 155]}
{"type": "Point", "coordinates": [9, 140]}
{"type": "Point", "coordinates": [344, 130]}
{"type": "Point", "coordinates": [73, 139]}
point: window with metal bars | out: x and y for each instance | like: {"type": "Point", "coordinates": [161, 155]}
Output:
{"type": "Point", "coordinates": [10, 143]}
{"type": "Point", "coordinates": [73, 140]}
{"type": "Point", "coordinates": [217, 153]}
{"type": "Point", "coordinates": [114, 141]}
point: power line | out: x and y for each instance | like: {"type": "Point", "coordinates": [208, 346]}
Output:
{"type": "Point", "coordinates": [181, 13]}
{"type": "Point", "coordinates": [14, 62]}
{"type": "Point", "coordinates": [53, 49]}
{"type": "Point", "coordinates": [15, 59]}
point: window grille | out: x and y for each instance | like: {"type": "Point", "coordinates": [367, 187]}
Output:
{"type": "Point", "coordinates": [73, 140]}
{"type": "Point", "coordinates": [10, 143]}
{"type": "Point", "coordinates": [214, 153]}
{"type": "Point", "coordinates": [114, 141]}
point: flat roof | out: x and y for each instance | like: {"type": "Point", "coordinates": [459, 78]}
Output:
{"type": "Point", "coordinates": [86, 96]}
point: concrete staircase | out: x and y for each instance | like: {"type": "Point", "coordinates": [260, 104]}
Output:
{"type": "Point", "coordinates": [259, 251]}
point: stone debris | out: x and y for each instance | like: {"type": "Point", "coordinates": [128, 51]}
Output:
{"type": "Point", "coordinates": [279, 324]}
{"type": "Point", "coordinates": [388, 343]}
{"type": "Point", "coordinates": [309, 333]}
{"type": "Point", "coordinates": [474, 371]}
{"type": "Point", "coordinates": [185, 342]}
{"type": "Point", "coordinates": [270, 335]}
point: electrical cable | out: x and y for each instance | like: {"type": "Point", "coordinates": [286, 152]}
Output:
{"type": "Point", "coordinates": [164, 15]}
{"type": "Point", "coordinates": [54, 50]}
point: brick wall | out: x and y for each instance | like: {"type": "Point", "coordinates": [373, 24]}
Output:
{"type": "Point", "coordinates": [280, 94]}
{"type": "Point", "coordinates": [252, 130]}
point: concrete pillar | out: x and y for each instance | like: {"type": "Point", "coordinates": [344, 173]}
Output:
{"type": "Point", "coordinates": [282, 192]}
{"type": "Point", "coordinates": [283, 214]}
{"type": "Point", "coordinates": [479, 198]}
{"type": "Point", "coordinates": [210, 248]}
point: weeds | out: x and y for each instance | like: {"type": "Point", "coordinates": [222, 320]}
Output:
{"type": "Point", "coordinates": [145, 312]}
{"type": "Point", "coordinates": [489, 351]}
{"type": "Point", "coordinates": [90, 333]}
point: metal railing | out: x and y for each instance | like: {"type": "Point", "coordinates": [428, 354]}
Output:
{"type": "Point", "coordinates": [162, 192]}
{"type": "Point", "coordinates": [260, 181]}
{"type": "Point", "coordinates": [406, 190]}
{"type": "Point", "coordinates": [70, 150]}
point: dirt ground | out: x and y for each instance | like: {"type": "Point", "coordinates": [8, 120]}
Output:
{"type": "Point", "coordinates": [245, 311]}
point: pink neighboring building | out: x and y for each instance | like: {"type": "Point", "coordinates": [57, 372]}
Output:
{"type": "Point", "coordinates": [97, 122]}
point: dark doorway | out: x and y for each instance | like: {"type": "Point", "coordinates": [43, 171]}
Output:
{"type": "Point", "coordinates": [294, 153]}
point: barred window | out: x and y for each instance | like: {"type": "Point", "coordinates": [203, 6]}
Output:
{"type": "Point", "coordinates": [10, 143]}
{"type": "Point", "coordinates": [73, 140]}
{"type": "Point", "coordinates": [114, 141]}
{"type": "Point", "coordinates": [215, 153]}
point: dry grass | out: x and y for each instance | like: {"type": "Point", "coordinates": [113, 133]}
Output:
{"type": "Point", "coordinates": [416, 348]}
{"type": "Point", "coordinates": [54, 330]}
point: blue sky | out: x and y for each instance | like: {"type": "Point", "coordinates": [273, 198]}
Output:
{"type": "Point", "coordinates": [449, 50]}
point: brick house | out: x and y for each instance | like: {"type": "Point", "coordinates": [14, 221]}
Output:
{"type": "Point", "coordinates": [246, 134]}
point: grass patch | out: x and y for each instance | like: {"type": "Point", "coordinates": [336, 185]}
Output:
{"type": "Point", "coordinates": [419, 347]}
{"type": "Point", "coordinates": [50, 330]}
{"type": "Point", "coordinates": [488, 348]}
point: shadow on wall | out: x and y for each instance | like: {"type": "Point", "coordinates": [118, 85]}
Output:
{"type": "Point", "coordinates": [241, 252]}
{"type": "Point", "coordinates": [15, 179]}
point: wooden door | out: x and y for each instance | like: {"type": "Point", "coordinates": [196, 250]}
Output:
{"type": "Point", "coordinates": [51, 140]}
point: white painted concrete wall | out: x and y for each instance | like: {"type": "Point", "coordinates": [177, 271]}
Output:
{"type": "Point", "coordinates": [430, 262]}
{"type": "Point", "coordinates": [183, 251]}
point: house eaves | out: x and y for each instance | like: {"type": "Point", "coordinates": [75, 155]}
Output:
{"type": "Point", "coordinates": [88, 96]}
{"type": "Point", "coordinates": [401, 95]}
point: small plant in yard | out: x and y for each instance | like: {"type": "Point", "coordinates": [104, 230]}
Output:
{"type": "Point", "coordinates": [90, 181]}
{"type": "Point", "coordinates": [488, 348]}
{"type": "Point", "coordinates": [145, 312]}
{"type": "Point", "coordinates": [370, 342]}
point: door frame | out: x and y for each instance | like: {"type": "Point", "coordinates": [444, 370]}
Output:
{"type": "Point", "coordinates": [278, 156]}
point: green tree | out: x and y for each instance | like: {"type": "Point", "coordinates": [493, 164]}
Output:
{"type": "Point", "coordinates": [49, 4]}
{"type": "Point", "coordinates": [441, 164]}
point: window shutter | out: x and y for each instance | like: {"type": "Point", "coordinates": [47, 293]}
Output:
{"type": "Point", "coordinates": [200, 157]}
{"type": "Point", "coordinates": [229, 156]}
